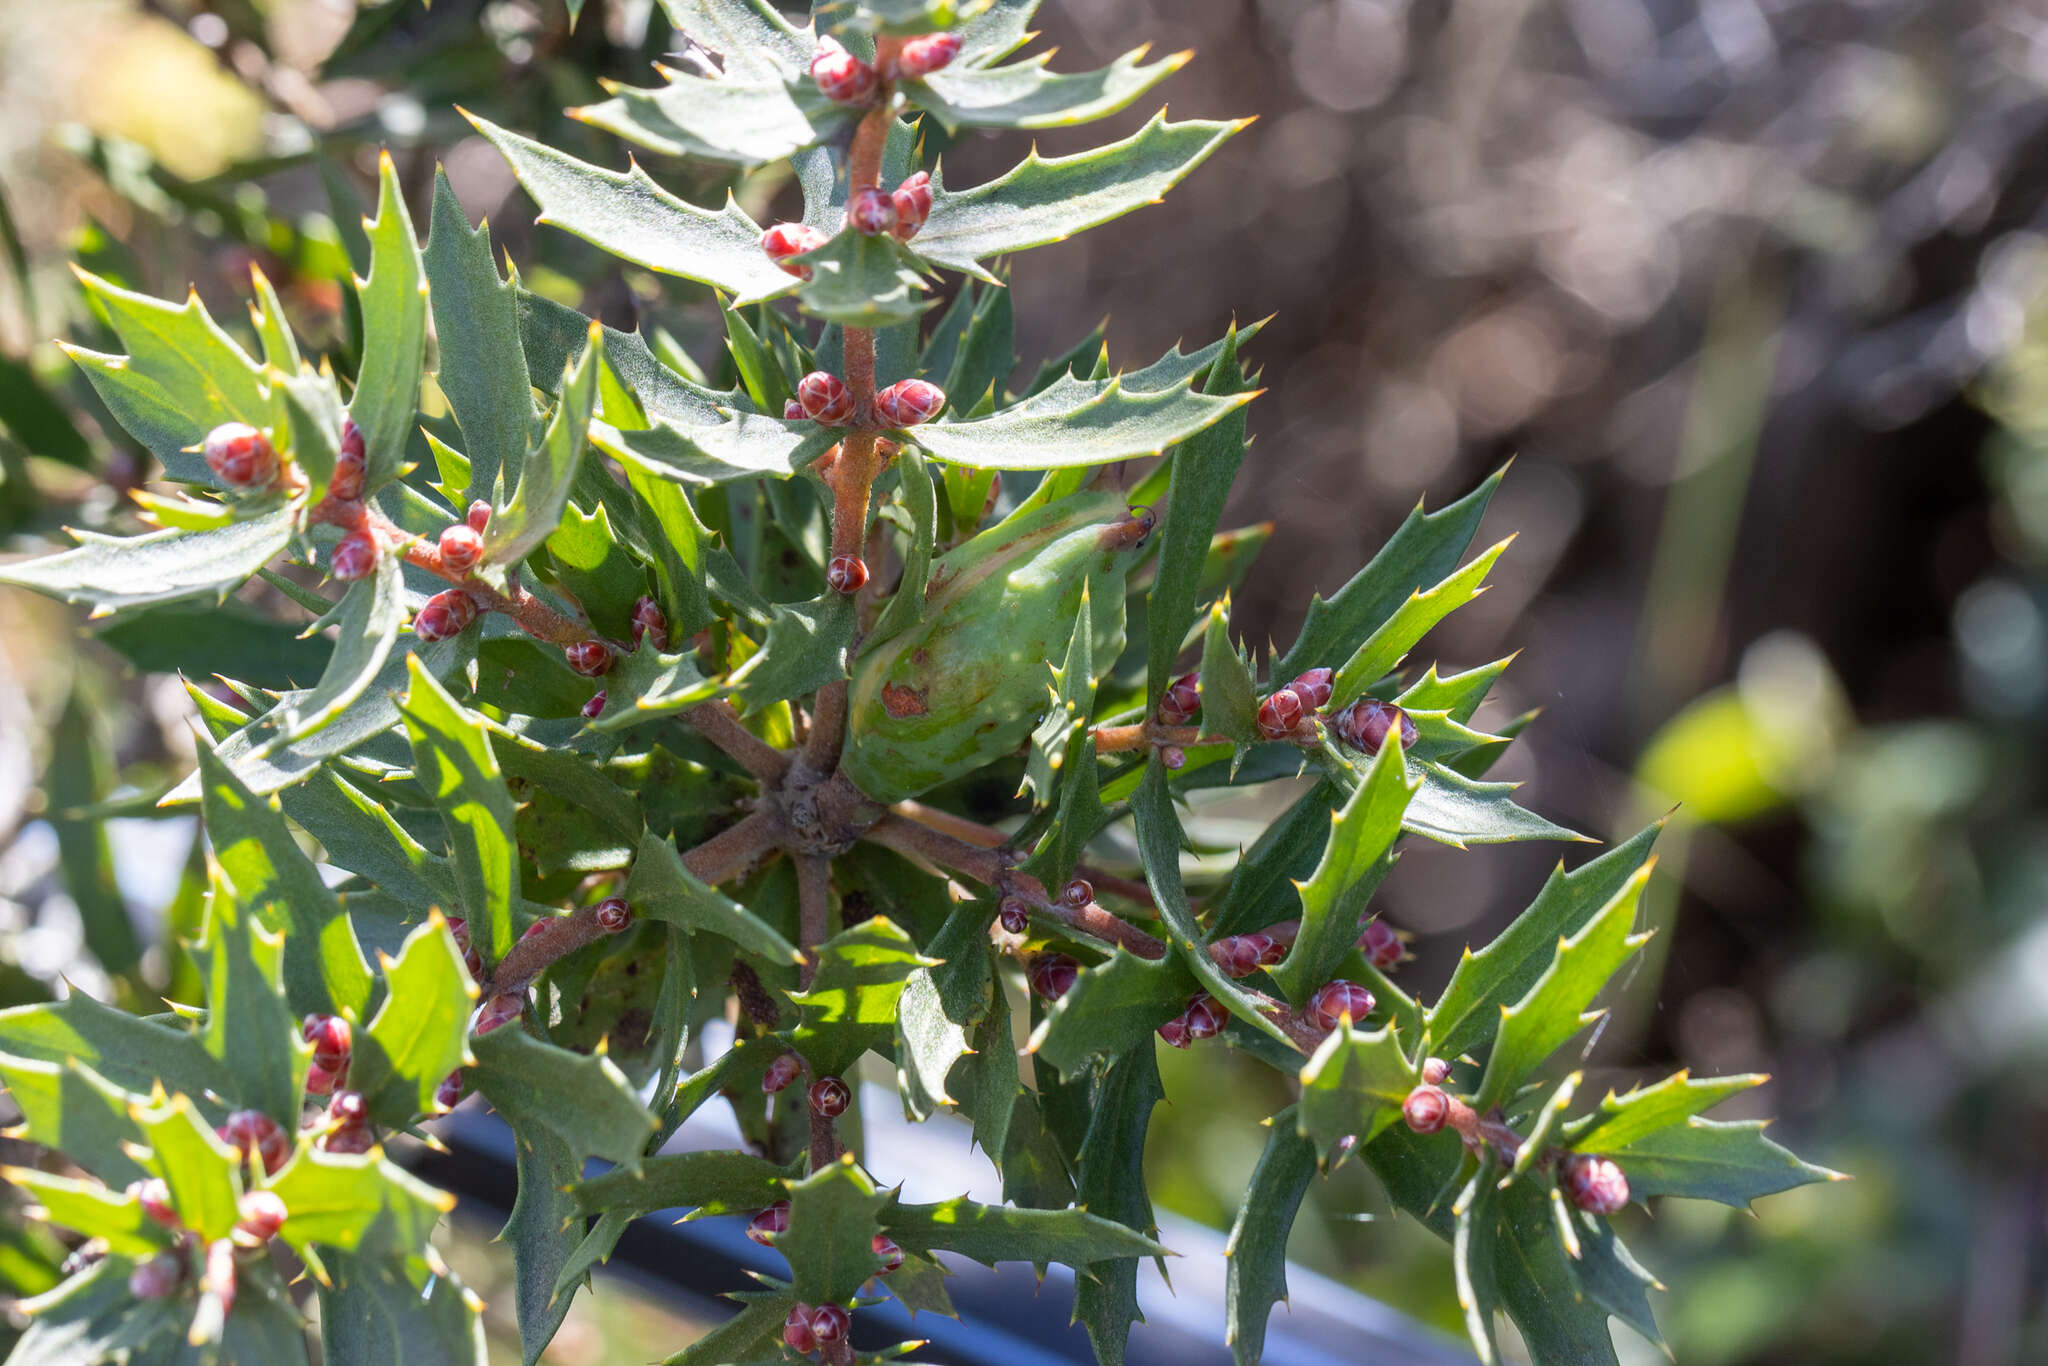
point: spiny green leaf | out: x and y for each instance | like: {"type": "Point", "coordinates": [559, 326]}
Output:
{"type": "Point", "coordinates": [197, 1166]}
{"type": "Point", "coordinates": [366, 626]}
{"type": "Point", "coordinates": [249, 1027]}
{"type": "Point", "coordinates": [483, 368]}
{"type": "Point", "coordinates": [1704, 1159]}
{"type": "Point", "coordinates": [648, 685]}
{"type": "Point", "coordinates": [1459, 694]}
{"type": "Point", "coordinates": [898, 16]}
{"type": "Point", "coordinates": [939, 1008]}
{"type": "Point", "coordinates": [705, 1183]}
{"type": "Point", "coordinates": [1621, 1120]}
{"type": "Point", "coordinates": [1473, 1247]}
{"type": "Point", "coordinates": [1026, 95]}
{"type": "Point", "coordinates": [1003, 1233]}
{"type": "Point", "coordinates": [582, 1099]}
{"type": "Point", "coordinates": [1230, 695]}
{"type": "Point", "coordinates": [182, 377]}
{"type": "Point", "coordinates": [452, 757]}
{"type": "Point", "coordinates": [393, 299]}
{"type": "Point", "coordinates": [1555, 1007]}
{"type": "Point", "coordinates": [1112, 1008]}
{"type": "Point", "coordinates": [905, 607]}
{"type": "Point", "coordinates": [1356, 857]}
{"type": "Point", "coordinates": [803, 649]}
{"type": "Point", "coordinates": [1394, 637]}
{"type": "Point", "coordinates": [986, 354]}
{"type": "Point", "coordinates": [834, 1215]}
{"type": "Point", "coordinates": [67, 1106]}
{"type": "Point", "coordinates": [117, 573]}
{"type": "Point", "coordinates": [374, 1316]}
{"type": "Point", "coordinates": [591, 561]}
{"type": "Point", "coordinates": [750, 1335]}
{"type": "Point", "coordinates": [1534, 1282]}
{"type": "Point", "coordinates": [1043, 200]}
{"type": "Point", "coordinates": [1353, 1087]}
{"type": "Point", "coordinates": [1505, 970]}
{"type": "Point", "coordinates": [720, 118]}
{"type": "Point", "coordinates": [230, 638]}
{"type": "Point", "coordinates": [1608, 1274]}
{"type": "Point", "coordinates": [535, 508]}
{"type": "Point", "coordinates": [863, 280]}
{"type": "Point", "coordinates": [850, 1005]}
{"type": "Point", "coordinates": [633, 218]}
{"type": "Point", "coordinates": [132, 1053]}
{"type": "Point", "coordinates": [273, 330]}
{"type": "Point", "coordinates": [750, 36]}
{"type": "Point", "coordinates": [343, 1201]}
{"type": "Point", "coordinates": [1427, 547]}
{"type": "Point", "coordinates": [1203, 469]}
{"type": "Point", "coordinates": [661, 888]}
{"type": "Point", "coordinates": [79, 773]}
{"type": "Point", "coordinates": [1073, 704]}
{"type": "Point", "coordinates": [1256, 1277]}
{"type": "Point", "coordinates": [543, 1230]}
{"type": "Point", "coordinates": [93, 1210]}
{"type": "Point", "coordinates": [1536, 1139]}
{"type": "Point", "coordinates": [360, 835]}
{"type": "Point", "coordinates": [1079, 422]}
{"type": "Point", "coordinates": [1110, 1183]}
{"type": "Point", "coordinates": [418, 1035]}
{"type": "Point", "coordinates": [93, 1318]}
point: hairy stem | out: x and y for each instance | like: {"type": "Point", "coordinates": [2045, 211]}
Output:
{"type": "Point", "coordinates": [1142, 734]}
{"type": "Point", "coordinates": [988, 837]}
{"type": "Point", "coordinates": [814, 910]}
{"type": "Point", "coordinates": [731, 852]}
{"type": "Point", "coordinates": [720, 724]}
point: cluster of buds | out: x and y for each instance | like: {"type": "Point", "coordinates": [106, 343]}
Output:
{"type": "Point", "coordinates": [1203, 1019]}
{"type": "Point", "coordinates": [257, 1137]}
{"type": "Point", "coordinates": [922, 55]}
{"type": "Point", "coordinates": [444, 615]}
{"type": "Point", "coordinates": [1336, 1002]}
{"type": "Point", "coordinates": [329, 1035]}
{"type": "Point", "coordinates": [809, 1330]}
{"type": "Point", "coordinates": [650, 626]}
{"type": "Point", "coordinates": [1381, 944]}
{"type": "Point", "coordinates": [348, 1124]}
{"type": "Point", "coordinates": [1366, 723]}
{"type": "Point", "coordinates": [1281, 715]}
{"type": "Point", "coordinates": [240, 456]}
{"type": "Point", "coordinates": [846, 79]}
{"type": "Point", "coordinates": [1240, 955]}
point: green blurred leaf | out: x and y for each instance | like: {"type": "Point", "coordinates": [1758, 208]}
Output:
{"type": "Point", "coordinates": [1026, 95]}
{"type": "Point", "coordinates": [419, 1033]}
{"type": "Point", "coordinates": [583, 1100]}
{"type": "Point", "coordinates": [1256, 1275]}
{"type": "Point", "coordinates": [393, 299]}
{"type": "Point", "coordinates": [132, 1053]}
{"type": "Point", "coordinates": [119, 573]}
{"type": "Point", "coordinates": [534, 510]}
{"type": "Point", "coordinates": [93, 1210]}
{"type": "Point", "coordinates": [227, 638]}
{"type": "Point", "coordinates": [476, 323]}
{"type": "Point", "coordinates": [80, 773]}
{"type": "Point", "coordinates": [249, 1026]}
{"type": "Point", "coordinates": [366, 626]}
{"type": "Point", "coordinates": [661, 888]}
{"type": "Point", "coordinates": [452, 757]}
{"type": "Point", "coordinates": [1353, 1087]}
{"type": "Point", "coordinates": [67, 1106]}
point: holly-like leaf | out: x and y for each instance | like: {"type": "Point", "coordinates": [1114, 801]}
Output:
{"type": "Point", "coordinates": [1230, 695]}
{"type": "Point", "coordinates": [1110, 1183]}
{"type": "Point", "coordinates": [634, 219]}
{"type": "Point", "coordinates": [1608, 1274]}
{"type": "Point", "coordinates": [535, 508]}
{"type": "Point", "coordinates": [1065, 721]}
{"type": "Point", "coordinates": [91, 1209]}
{"type": "Point", "coordinates": [67, 1106]}
{"type": "Point", "coordinates": [366, 623]}
{"type": "Point", "coordinates": [1353, 1087]}
{"type": "Point", "coordinates": [1704, 1159]}
{"type": "Point", "coordinates": [1536, 1140]}
{"type": "Point", "coordinates": [850, 1006]}
{"type": "Point", "coordinates": [920, 499]}
{"type": "Point", "coordinates": [803, 649]}
{"type": "Point", "coordinates": [902, 17]}
{"type": "Point", "coordinates": [419, 1033]}
{"type": "Point", "coordinates": [1204, 468]}
{"type": "Point", "coordinates": [128, 1051]}
{"type": "Point", "coordinates": [591, 561]}
{"type": "Point", "coordinates": [750, 36]}
{"type": "Point", "coordinates": [483, 368]}
{"type": "Point", "coordinates": [648, 685]}
{"type": "Point", "coordinates": [721, 118]}
{"type": "Point", "coordinates": [834, 1215]}
{"type": "Point", "coordinates": [543, 1230]}
{"type": "Point", "coordinates": [1531, 1277]}
{"type": "Point", "coordinates": [1049, 200]}
{"type": "Point", "coordinates": [1473, 1245]}
{"type": "Point", "coordinates": [1358, 854]}
{"type": "Point", "coordinates": [1256, 1275]}
{"type": "Point", "coordinates": [1379, 652]}
{"type": "Point", "coordinates": [1506, 970]}
{"type": "Point", "coordinates": [701, 1183]}
{"type": "Point", "coordinates": [661, 888]}
{"type": "Point", "coordinates": [1645, 1110]}
{"type": "Point", "coordinates": [249, 1027]}
{"type": "Point", "coordinates": [92, 1318]}
{"type": "Point", "coordinates": [1159, 843]}
{"type": "Point", "coordinates": [360, 835]}
{"type": "Point", "coordinates": [393, 299]}
{"type": "Point", "coordinates": [582, 1099]}
{"type": "Point", "coordinates": [121, 573]}
{"type": "Point", "coordinates": [375, 1316]}
{"type": "Point", "coordinates": [1112, 1008]}
{"type": "Point", "coordinates": [751, 1335]}
{"type": "Point", "coordinates": [198, 1167]}
{"type": "Point", "coordinates": [452, 758]}
{"type": "Point", "coordinates": [1080, 422]}
{"type": "Point", "coordinates": [1003, 1233]}
{"type": "Point", "coordinates": [341, 1201]}
{"type": "Point", "coordinates": [1025, 95]}
{"type": "Point", "coordinates": [182, 377]}
{"type": "Point", "coordinates": [939, 1007]}
{"type": "Point", "coordinates": [1427, 547]}
{"type": "Point", "coordinates": [1555, 1007]}
{"type": "Point", "coordinates": [863, 280]}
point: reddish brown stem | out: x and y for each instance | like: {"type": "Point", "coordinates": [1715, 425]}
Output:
{"type": "Point", "coordinates": [1140, 735]}
{"type": "Point", "coordinates": [814, 910]}
{"type": "Point", "coordinates": [988, 837]}
{"type": "Point", "coordinates": [731, 852]}
{"type": "Point", "coordinates": [720, 724]}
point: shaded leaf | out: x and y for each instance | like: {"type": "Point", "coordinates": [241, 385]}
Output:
{"type": "Point", "coordinates": [476, 322]}
{"type": "Point", "coordinates": [1256, 1277]}
{"type": "Point", "coordinates": [452, 758]}
{"type": "Point", "coordinates": [583, 1100]}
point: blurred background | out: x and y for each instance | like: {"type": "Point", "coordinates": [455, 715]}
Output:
{"type": "Point", "coordinates": [1753, 292]}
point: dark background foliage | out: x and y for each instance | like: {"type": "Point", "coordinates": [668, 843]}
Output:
{"type": "Point", "coordinates": [1755, 294]}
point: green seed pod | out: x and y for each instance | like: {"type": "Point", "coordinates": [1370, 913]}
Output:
{"type": "Point", "coordinates": [967, 684]}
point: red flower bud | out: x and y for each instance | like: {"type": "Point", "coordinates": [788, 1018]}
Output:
{"type": "Point", "coordinates": [500, 1010]}
{"type": "Point", "coordinates": [1280, 714]}
{"type": "Point", "coordinates": [458, 929]}
{"type": "Point", "coordinates": [1426, 1109]}
{"type": "Point", "coordinates": [782, 1073]}
{"type": "Point", "coordinates": [158, 1278]}
{"type": "Point", "coordinates": [444, 615]}
{"type": "Point", "coordinates": [1240, 955]}
{"type": "Point", "coordinates": [449, 1093]}
{"type": "Point", "coordinates": [594, 708]}
{"type": "Point", "coordinates": [256, 1134]}
{"type": "Point", "coordinates": [355, 555]}
{"type": "Point", "coordinates": [591, 658]}
{"type": "Point", "coordinates": [240, 456]}
{"type": "Point", "coordinates": [1077, 893]}
{"type": "Point", "coordinates": [345, 485]}
{"type": "Point", "coordinates": [763, 1227]}
{"type": "Point", "coordinates": [1313, 688]}
{"type": "Point", "coordinates": [1381, 946]}
{"type": "Point", "coordinates": [154, 1195]}
{"type": "Point", "coordinates": [461, 548]}
{"type": "Point", "coordinates": [926, 53]}
{"type": "Point", "coordinates": [871, 211]}
{"type": "Point", "coordinates": [891, 1255]}
{"type": "Point", "coordinates": [792, 411]}
{"type": "Point", "coordinates": [846, 574]}
{"type": "Point", "coordinates": [1336, 1000]}
{"type": "Point", "coordinates": [263, 1214]}
{"type": "Point", "coordinates": [1173, 757]}
{"type": "Point", "coordinates": [796, 1330]}
{"type": "Point", "coordinates": [353, 1139]}
{"type": "Point", "coordinates": [913, 201]}
{"type": "Point", "coordinates": [844, 78]}
{"type": "Point", "coordinates": [1435, 1071]}
{"type": "Point", "coordinates": [830, 1324]}
{"type": "Point", "coordinates": [1365, 725]}
{"type": "Point", "coordinates": [347, 1109]}
{"type": "Point", "coordinates": [1205, 1017]}
{"type": "Point", "coordinates": [473, 962]}
{"type": "Point", "coordinates": [1182, 700]}
{"type": "Point", "coordinates": [830, 1097]}
{"type": "Point", "coordinates": [329, 1035]}
{"type": "Point", "coordinates": [825, 398]}
{"type": "Point", "coordinates": [1014, 914]}
{"type": "Point", "coordinates": [650, 624]}
{"type": "Point", "coordinates": [1175, 1032]}
{"type": "Point", "coordinates": [785, 240]}
{"type": "Point", "coordinates": [479, 516]}
{"type": "Point", "coordinates": [1594, 1184]}
{"type": "Point", "coordinates": [908, 402]}
{"type": "Point", "coordinates": [613, 914]}
{"type": "Point", "coordinates": [1052, 975]}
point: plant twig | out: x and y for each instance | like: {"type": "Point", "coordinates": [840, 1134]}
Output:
{"type": "Point", "coordinates": [717, 722]}
{"type": "Point", "coordinates": [814, 910]}
{"type": "Point", "coordinates": [732, 851]}
{"type": "Point", "coordinates": [1142, 734]}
